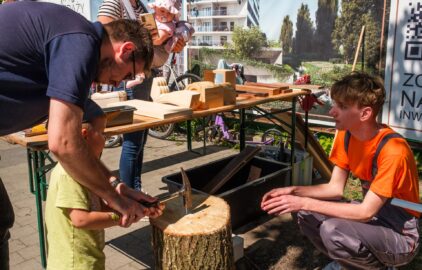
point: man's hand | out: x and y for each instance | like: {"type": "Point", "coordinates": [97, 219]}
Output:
{"type": "Point", "coordinates": [138, 197]}
{"type": "Point", "coordinates": [178, 47]}
{"type": "Point", "coordinates": [283, 204]}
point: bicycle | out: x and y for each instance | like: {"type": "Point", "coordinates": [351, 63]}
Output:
{"type": "Point", "coordinates": [175, 83]}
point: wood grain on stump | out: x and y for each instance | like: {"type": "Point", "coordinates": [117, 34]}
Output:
{"type": "Point", "coordinates": [198, 240]}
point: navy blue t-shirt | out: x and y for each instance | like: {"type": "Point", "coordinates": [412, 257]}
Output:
{"type": "Point", "coordinates": [46, 51]}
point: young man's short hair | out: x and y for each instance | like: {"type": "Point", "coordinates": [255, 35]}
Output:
{"type": "Point", "coordinates": [361, 89]}
{"type": "Point", "coordinates": [131, 30]}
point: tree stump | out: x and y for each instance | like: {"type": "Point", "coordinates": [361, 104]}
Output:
{"type": "Point", "coordinates": [199, 240]}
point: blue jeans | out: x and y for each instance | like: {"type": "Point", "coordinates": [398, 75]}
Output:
{"type": "Point", "coordinates": [130, 167]}
{"type": "Point", "coordinates": [7, 218]}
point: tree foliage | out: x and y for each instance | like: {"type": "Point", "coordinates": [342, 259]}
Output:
{"type": "Point", "coordinates": [286, 35]}
{"type": "Point", "coordinates": [248, 42]}
{"type": "Point", "coordinates": [304, 31]}
{"type": "Point", "coordinates": [355, 14]}
{"type": "Point", "coordinates": [326, 15]}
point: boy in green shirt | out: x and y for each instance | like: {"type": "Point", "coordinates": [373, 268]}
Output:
{"type": "Point", "coordinates": [75, 217]}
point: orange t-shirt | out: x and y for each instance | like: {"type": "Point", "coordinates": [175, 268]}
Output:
{"type": "Point", "coordinates": [397, 174]}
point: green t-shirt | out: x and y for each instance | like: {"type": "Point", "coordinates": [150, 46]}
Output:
{"type": "Point", "coordinates": [71, 248]}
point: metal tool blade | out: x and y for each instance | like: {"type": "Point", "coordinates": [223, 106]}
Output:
{"type": "Point", "coordinates": [187, 191]}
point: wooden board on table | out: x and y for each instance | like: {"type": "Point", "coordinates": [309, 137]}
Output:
{"type": "Point", "coordinates": [154, 109]}
{"type": "Point", "coordinates": [284, 87]}
{"type": "Point", "coordinates": [237, 163]}
{"type": "Point", "coordinates": [182, 98]}
{"type": "Point", "coordinates": [258, 89]}
{"type": "Point", "coordinates": [306, 86]}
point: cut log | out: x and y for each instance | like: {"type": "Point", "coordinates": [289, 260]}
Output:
{"type": "Point", "coordinates": [199, 240]}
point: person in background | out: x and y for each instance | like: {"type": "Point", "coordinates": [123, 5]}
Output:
{"type": "Point", "coordinates": [46, 69]}
{"type": "Point", "coordinates": [131, 159]}
{"type": "Point", "coordinates": [372, 234]}
{"type": "Point", "coordinates": [75, 217]}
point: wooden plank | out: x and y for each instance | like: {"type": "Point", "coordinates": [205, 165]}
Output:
{"type": "Point", "coordinates": [230, 169]}
{"type": "Point", "coordinates": [281, 86]}
{"type": "Point", "coordinates": [182, 98]}
{"type": "Point", "coordinates": [258, 89]}
{"type": "Point", "coordinates": [309, 87]}
{"type": "Point", "coordinates": [153, 109]}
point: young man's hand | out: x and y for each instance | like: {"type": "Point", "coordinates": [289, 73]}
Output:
{"type": "Point", "coordinates": [283, 204]}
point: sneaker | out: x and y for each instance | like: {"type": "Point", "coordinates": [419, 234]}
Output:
{"type": "Point", "coordinates": [332, 266]}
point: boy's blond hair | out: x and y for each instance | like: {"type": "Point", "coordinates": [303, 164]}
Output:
{"type": "Point", "coordinates": [361, 89]}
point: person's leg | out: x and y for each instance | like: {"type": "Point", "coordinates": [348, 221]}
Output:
{"type": "Point", "coordinates": [130, 167]}
{"type": "Point", "coordinates": [7, 218]}
{"type": "Point", "coordinates": [357, 245]}
{"type": "Point", "coordinates": [131, 158]}
{"type": "Point", "coordinates": [309, 224]}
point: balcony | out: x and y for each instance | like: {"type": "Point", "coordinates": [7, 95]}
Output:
{"type": "Point", "coordinates": [206, 43]}
{"type": "Point", "coordinates": [210, 13]}
{"type": "Point", "coordinates": [213, 28]}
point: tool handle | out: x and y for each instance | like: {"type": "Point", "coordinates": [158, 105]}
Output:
{"type": "Point", "coordinates": [150, 204]}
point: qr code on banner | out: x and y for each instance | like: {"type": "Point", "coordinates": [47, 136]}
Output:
{"type": "Point", "coordinates": [414, 32]}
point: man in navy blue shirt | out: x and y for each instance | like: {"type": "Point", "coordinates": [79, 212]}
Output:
{"type": "Point", "coordinates": [49, 56]}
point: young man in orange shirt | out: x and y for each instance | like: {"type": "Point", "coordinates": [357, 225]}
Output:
{"type": "Point", "coordinates": [372, 234]}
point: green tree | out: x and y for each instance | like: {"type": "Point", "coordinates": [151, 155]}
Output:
{"type": "Point", "coordinates": [355, 14]}
{"type": "Point", "coordinates": [304, 31]}
{"type": "Point", "coordinates": [248, 42]}
{"type": "Point", "coordinates": [326, 15]}
{"type": "Point", "coordinates": [286, 35]}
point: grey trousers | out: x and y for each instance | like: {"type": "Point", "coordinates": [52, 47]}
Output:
{"type": "Point", "coordinates": [7, 218]}
{"type": "Point", "coordinates": [389, 239]}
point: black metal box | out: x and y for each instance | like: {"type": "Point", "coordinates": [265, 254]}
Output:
{"type": "Point", "coordinates": [243, 197]}
{"type": "Point", "coordinates": [119, 115]}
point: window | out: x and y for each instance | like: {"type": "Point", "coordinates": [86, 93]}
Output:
{"type": "Point", "coordinates": [231, 26]}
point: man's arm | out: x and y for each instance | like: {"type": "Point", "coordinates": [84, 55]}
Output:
{"type": "Point", "coordinates": [66, 143]}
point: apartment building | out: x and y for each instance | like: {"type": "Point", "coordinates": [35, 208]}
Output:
{"type": "Point", "coordinates": [214, 20]}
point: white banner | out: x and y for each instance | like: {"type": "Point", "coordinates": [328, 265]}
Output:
{"type": "Point", "coordinates": [403, 71]}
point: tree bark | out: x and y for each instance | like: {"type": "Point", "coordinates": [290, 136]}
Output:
{"type": "Point", "coordinates": [198, 240]}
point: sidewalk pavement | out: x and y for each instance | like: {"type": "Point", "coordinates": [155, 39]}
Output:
{"type": "Point", "coordinates": [126, 248]}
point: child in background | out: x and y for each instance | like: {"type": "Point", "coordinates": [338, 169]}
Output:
{"type": "Point", "coordinates": [170, 29]}
{"type": "Point", "coordinates": [75, 217]}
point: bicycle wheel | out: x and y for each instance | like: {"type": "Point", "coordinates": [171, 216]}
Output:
{"type": "Point", "coordinates": [180, 83]}
{"type": "Point", "coordinates": [272, 136]}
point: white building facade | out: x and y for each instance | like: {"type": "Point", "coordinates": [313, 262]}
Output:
{"type": "Point", "coordinates": [214, 20]}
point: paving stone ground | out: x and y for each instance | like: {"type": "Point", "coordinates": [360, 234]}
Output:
{"type": "Point", "coordinates": [127, 248]}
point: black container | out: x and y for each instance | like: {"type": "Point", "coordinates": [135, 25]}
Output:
{"type": "Point", "coordinates": [119, 115]}
{"type": "Point", "coordinates": [243, 197]}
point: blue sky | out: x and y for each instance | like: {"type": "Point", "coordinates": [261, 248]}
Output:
{"type": "Point", "coordinates": [272, 13]}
